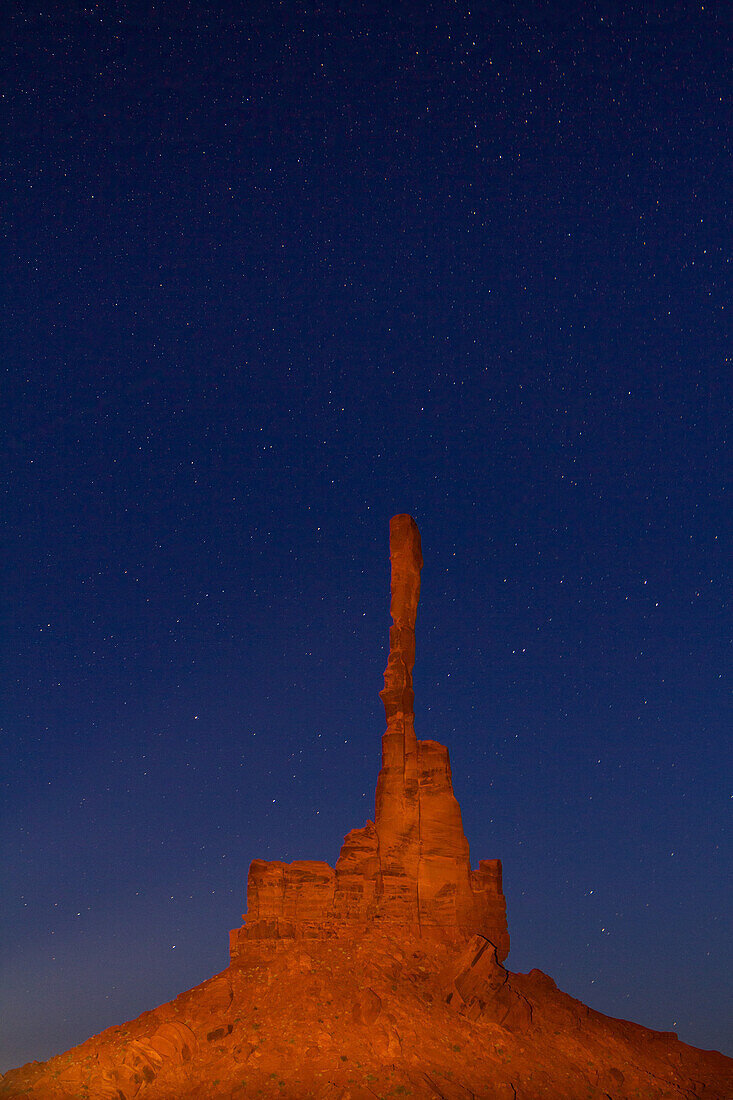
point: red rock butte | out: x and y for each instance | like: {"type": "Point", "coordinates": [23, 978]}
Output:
{"type": "Point", "coordinates": [408, 871]}
{"type": "Point", "coordinates": [381, 976]}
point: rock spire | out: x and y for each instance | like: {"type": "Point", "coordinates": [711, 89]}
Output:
{"type": "Point", "coordinates": [405, 556]}
{"type": "Point", "coordinates": [409, 869]}
{"type": "Point", "coordinates": [382, 975]}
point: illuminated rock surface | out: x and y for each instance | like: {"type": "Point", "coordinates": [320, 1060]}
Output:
{"type": "Point", "coordinates": [409, 870]}
{"type": "Point", "coordinates": [382, 976]}
{"type": "Point", "coordinates": [356, 1017]}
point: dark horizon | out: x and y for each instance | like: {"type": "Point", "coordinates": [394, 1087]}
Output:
{"type": "Point", "coordinates": [271, 279]}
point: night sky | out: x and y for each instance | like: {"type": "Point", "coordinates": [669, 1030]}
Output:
{"type": "Point", "coordinates": [272, 274]}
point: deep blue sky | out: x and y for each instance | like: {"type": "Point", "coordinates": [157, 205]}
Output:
{"type": "Point", "coordinates": [269, 279]}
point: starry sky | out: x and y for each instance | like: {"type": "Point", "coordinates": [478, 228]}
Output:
{"type": "Point", "coordinates": [274, 273]}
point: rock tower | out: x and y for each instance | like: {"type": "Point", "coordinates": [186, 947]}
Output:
{"type": "Point", "coordinates": [382, 975]}
{"type": "Point", "coordinates": [409, 869]}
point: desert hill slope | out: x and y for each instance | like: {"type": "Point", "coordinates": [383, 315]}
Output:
{"type": "Point", "coordinates": [366, 1017]}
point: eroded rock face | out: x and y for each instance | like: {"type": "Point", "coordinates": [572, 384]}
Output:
{"type": "Point", "coordinates": [299, 891]}
{"type": "Point", "coordinates": [410, 868]}
{"type": "Point", "coordinates": [357, 876]}
{"type": "Point", "coordinates": [478, 986]}
{"type": "Point", "coordinates": [397, 813]}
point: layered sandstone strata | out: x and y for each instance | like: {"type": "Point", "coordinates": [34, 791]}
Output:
{"type": "Point", "coordinates": [410, 868]}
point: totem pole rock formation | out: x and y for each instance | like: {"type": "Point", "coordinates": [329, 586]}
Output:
{"type": "Point", "coordinates": [409, 869]}
{"type": "Point", "coordinates": [383, 975]}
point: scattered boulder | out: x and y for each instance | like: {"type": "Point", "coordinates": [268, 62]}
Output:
{"type": "Point", "coordinates": [366, 1010]}
{"type": "Point", "coordinates": [174, 1041]}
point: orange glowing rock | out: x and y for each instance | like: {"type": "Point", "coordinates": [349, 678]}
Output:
{"type": "Point", "coordinates": [382, 976]}
{"type": "Point", "coordinates": [409, 868]}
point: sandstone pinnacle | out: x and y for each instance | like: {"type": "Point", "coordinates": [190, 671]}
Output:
{"type": "Point", "coordinates": [381, 976]}
{"type": "Point", "coordinates": [409, 870]}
